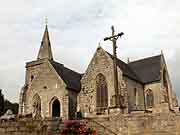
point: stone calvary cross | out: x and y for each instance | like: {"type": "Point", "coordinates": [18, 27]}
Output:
{"type": "Point", "coordinates": [114, 38]}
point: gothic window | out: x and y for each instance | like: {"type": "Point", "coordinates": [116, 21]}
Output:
{"type": "Point", "coordinates": [101, 93]}
{"type": "Point", "coordinates": [149, 98]}
{"type": "Point", "coordinates": [135, 96]}
{"type": "Point", "coordinates": [135, 92]}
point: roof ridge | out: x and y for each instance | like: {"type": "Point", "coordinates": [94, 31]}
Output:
{"type": "Point", "coordinates": [117, 57]}
{"type": "Point", "coordinates": [66, 67]}
{"type": "Point", "coordinates": [147, 69]}
{"type": "Point", "coordinates": [136, 77]}
{"type": "Point", "coordinates": [71, 78]}
{"type": "Point", "coordinates": [144, 59]}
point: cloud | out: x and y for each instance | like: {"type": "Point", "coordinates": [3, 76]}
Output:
{"type": "Point", "coordinates": [76, 27]}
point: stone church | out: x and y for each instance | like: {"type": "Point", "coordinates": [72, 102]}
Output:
{"type": "Point", "coordinates": [53, 90]}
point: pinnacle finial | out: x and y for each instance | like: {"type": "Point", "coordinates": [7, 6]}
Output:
{"type": "Point", "coordinates": [161, 52]}
{"type": "Point", "coordinates": [99, 45]}
{"type": "Point", "coordinates": [128, 60]}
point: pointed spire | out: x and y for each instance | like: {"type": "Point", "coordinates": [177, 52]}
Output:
{"type": "Point", "coordinates": [45, 49]}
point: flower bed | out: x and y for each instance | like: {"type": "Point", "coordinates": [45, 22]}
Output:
{"type": "Point", "coordinates": [76, 127]}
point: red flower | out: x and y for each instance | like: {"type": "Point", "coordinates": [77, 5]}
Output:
{"type": "Point", "coordinates": [77, 127]}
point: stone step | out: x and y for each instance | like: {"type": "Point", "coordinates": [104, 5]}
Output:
{"type": "Point", "coordinates": [100, 129]}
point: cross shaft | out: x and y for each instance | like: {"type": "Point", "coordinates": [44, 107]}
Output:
{"type": "Point", "coordinates": [114, 38]}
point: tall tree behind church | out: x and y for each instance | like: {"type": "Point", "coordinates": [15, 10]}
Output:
{"type": "Point", "coordinates": [1, 103]}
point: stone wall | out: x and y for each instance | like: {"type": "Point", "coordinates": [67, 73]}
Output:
{"type": "Point", "coordinates": [121, 124]}
{"type": "Point", "coordinates": [138, 124]}
{"type": "Point", "coordinates": [49, 86]}
{"type": "Point", "coordinates": [26, 127]}
{"type": "Point", "coordinates": [101, 63]}
{"type": "Point", "coordinates": [135, 101]}
{"type": "Point", "coordinates": [31, 127]}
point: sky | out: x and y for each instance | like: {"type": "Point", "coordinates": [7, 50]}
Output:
{"type": "Point", "coordinates": [77, 27]}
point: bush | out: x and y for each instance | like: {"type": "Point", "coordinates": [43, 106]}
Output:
{"type": "Point", "coordinates": [76, 127]}
{"type": "Point", "coordinates": [1, 103]}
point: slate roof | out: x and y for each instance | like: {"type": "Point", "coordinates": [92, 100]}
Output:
{"type": "Point", "coordinates": [144, 70]}
{"type": "Point", "coordinates": [127, 71]}
{"type": "Point", "coordinates": [71, 78]}
{"type": "Point", "coordinates": [148, 69]}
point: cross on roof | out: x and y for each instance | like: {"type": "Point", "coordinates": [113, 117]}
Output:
{"type": "Point", "coordinates": [46, 20]}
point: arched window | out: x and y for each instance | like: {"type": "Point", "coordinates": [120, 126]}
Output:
{"type": "Point", "coordinates": [135, 97]}
{"type": "Point", "coordinates": [101, 93]}
{"type": "Point", "coordinates": [36, 106]}
{"type": "Point", "coordinates": [149, 98]}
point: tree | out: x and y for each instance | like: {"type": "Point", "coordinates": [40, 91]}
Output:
{"type": "Point", "coordinates": [1, 103]}
{"type": "Point", "coordinates": [5, 105]}
{"type": "Point", "coordinates": [11, 106]}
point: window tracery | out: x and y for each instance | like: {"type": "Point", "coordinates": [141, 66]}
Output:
{"type": "Point", "coordinates": [101, 93]}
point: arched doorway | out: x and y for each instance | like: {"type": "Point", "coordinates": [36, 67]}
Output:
{"type": "Point", "coordinates": [56, 108]}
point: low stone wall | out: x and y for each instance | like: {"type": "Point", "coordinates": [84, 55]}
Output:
{"type": "Point", "coordinates": [31, 127]}
{"type": "Point", "coordinates": [120, 124]}
{"type": "Point", "coordinates": [139, 124]}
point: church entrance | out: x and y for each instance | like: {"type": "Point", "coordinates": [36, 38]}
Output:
{"type": "Point", "coordinates": [56, 108]}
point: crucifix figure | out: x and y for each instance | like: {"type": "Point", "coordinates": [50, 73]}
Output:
{"type": "Point", "coordinates": [114, 38]}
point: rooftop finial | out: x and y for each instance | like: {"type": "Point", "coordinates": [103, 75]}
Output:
{"type": "Point", "coordinates": [99, 45]}
{"type": "Point", "coordinates": [161, 52]}
{"type": "Point", "coordinates": [128, 60]}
